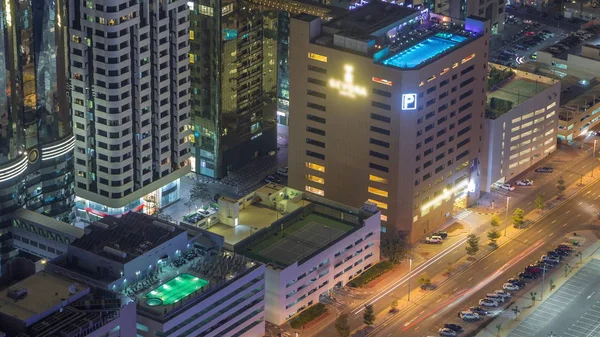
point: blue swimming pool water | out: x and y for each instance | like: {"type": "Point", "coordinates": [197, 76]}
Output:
{"type": "Point", "coordinates": [424, 50]}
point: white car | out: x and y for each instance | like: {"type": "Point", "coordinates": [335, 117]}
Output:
{"type": "Point", "coordinates": [510, 287]}
{"type": "Point", "coordinates": [546, 258]}
{"type": "Point", "coordinates": [525, 182]}
{"type": "Point", "coordinates": [468, 315]}
{"type": "Point", "coordinates": [433, 239]}
{"type": "Point", "coordinates": [502, 294]}
{"type": "Point", "coordinates": [282, 171]}
{"type": "Point", "coordinates": [488, 303]}
{"type": "Point", "coordinates": [507, 187]}
{"type": "Point", "coordinates": [445, 332]}
{"type": "Point", "coordinates": [495, 297]}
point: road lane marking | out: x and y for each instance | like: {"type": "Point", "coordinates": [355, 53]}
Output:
{"type": "Point", "coordinates": [578, 215]}
{"type": "Point", "coordinates": [539, 231]}
{"type": "Point", "coordinates": [592, 294]}
{"type": "Point", "coordinates": [579, 204]}
{"type": "Point", "coordinates": [550, 234]}
{"type": "Point", "coordinates": [470, 279]}
{"type": "Point", "coordinates": [485, 268]}
{"type": "Point", "coordinates": [455, 289]}
{"type": "Point", "coordinates": [565, 224]}
{"type": "Point", "coordinates": [567, 212]}
{"type": "Point", "coordinates": [553, 221]}
{"type": "Point", "coordinates": [510, 251]}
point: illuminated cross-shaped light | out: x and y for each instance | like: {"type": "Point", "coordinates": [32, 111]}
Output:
{"type": "Point", "coordinates": [347, 87]}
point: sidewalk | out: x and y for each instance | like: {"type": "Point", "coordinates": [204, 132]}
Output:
{"type": "Point", "coordinates": [524, 303]}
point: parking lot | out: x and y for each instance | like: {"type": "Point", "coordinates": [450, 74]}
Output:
{"type": "Point", "coordinates": [571, 311]}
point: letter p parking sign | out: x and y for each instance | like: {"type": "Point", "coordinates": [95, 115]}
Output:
{"type": "Point", "coordinates": [409, 101]}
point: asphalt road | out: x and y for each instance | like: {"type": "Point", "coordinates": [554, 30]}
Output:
{"type": "Point", "coordinates": [571, 311]}
{"type": "Point", "coordinates": [488, 274]}
{"type": "Point", "coordinates": [523, 197]}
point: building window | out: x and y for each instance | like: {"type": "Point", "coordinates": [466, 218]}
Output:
{"type": "Point", "coordinates": [377, 179]}
{"type": "Point", "coordinates": [379, 204]}
{"type": "Point", "coordinates": [315, 167]}
{"type": "Point", "coordinates": [378, 192]}
{"type": "Point", "coordinates": [314, 190]}
{"type": "Point", "coordinates": [379, 167]}
{"type": "Point", "coordinates": [315, 154]}
{"type": "Point", "coordinates": [383, 217]}
{"type": "Point", "coordinates": [315, 179]}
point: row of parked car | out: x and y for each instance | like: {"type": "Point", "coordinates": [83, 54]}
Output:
{"type": "Point", "coordinates": [494, 299]}
{"type": "Point", "coordinates": [278, 177]}
{"type": "Point", "coordinates": [572, 40]}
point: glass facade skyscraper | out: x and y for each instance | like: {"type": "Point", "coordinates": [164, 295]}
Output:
{"type": "Point", "coordinates": [36, 139]}
{"type": "Point", "coordinates": [233, 51]}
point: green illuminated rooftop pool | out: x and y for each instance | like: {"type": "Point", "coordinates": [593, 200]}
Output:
{"type": "Point", "coordinates": [174, 290]}
{"type": "Point", "coordinates": [424, 50]}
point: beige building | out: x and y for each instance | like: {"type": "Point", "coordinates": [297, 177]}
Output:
{"type": "Point", "coordinates": [521, 124]}
{"type": "Point", "coordinates": [377, 118]}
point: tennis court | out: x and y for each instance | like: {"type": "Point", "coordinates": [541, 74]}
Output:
{"type": "Point", "coordinates": [176, 289]}
{"type": "Point", "coordinates": [302, 239]}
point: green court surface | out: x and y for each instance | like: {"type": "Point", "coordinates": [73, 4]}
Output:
{"type": "Point", "coordinates": [177, 288]}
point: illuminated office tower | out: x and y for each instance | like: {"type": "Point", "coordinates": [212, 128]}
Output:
{"type": "Point", "coordinates": [233, 69]}
{"type": "Point", "coordinates": [131, 104]}
{"type": "Point", "coordinates": [382, 116]}
{"type": "Point", "coordinates": [36, 139]}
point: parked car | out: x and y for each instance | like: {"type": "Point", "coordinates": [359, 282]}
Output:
{"type": "Point", "coordinates": [544, 169]}
{"type": "Point", "coordinates": [433, 239]}
{"type": "Point", "coordinates": [525, 182]}
{"type": "Point", "coordinates": [516, 281]}
{"type": "Point", "coordinates": [565, 248]}
{"type": "Point", "coordinates": [480, 311]}
{"type": "Point", "coordinates": [550, 259]}
{"type": "Point", "coordinates": [511, 287]}
{"type": "Point", "coordinates": [495, 297]}
{"type": "Point", "coordinates": [447, 332]}
{"type": "Point", "coordinates": [502, 293]}
{"type": "Point", "coordinates": [507, 187]}
{"type": "Point", "coordinates": [484, 302]}
{"type": "Point", "coordinates": [283, 171]}
{"type": "Point", "coordinates": [468, 315]}
{"type": "Point", "coordinates": [453, 327]}
{"type": "Point", "coordinates": [554, 254]}
{"type": "Point", "coordinates": [442, 234]}
{"type": "Point", "coordinates": [561, 253]}
{"type": "Point", "coordinates": [527, 277]}
{"type": "Point", "coordinates": [533, 270]}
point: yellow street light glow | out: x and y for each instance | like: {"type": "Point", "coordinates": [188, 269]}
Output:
{"type": "Point", "coordinates": [446, 194]}
{"type": "Point", "coordinates": [347, 87]}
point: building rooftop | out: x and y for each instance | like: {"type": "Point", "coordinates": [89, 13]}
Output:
{"type": "Point", "coordinates": [509, 88]}
{"type": "Point", "coordinates": [125, 238]}
{"type": "Point", "coordinates": [581, 106]}
{"type": "Point", "coordinates": [48, 223]}
{"type": "Point", "coordinates": [40, 293]}
{"type": "Point", "coordinates": [397, 36]}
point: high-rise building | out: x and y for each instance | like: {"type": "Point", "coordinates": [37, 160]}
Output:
{"type": "Point", "coordinates": [36, 139]}
{"type": "Point", "coordinates": [492, 10]}
{"type": "Point", "coordinates": [387, 106]}
{"type": "Point", "coordinates": [131, 104]}
{"type": "Point", "coordinates": [234, 74]}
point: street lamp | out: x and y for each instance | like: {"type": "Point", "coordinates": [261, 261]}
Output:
{"type": "Point", "coordinates": [594, 158]}
{"type": "Point", "coordinates": [409, 276]}
{"type": "Point", "coordinates": [506, 216]}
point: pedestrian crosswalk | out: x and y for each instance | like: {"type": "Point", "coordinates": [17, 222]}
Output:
{"type": "Point", "coordinates": [461, 215]}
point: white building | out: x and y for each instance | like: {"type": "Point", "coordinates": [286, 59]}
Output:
{"type": "Point", "coordinates": [182, 282]}
{"type": "Point", "coordinates": [521, 125]}
{"type": "Point", "coordinates": [130, 100]}
{"type": "Point", "coordinates": [48, 305]}
{"type": "Point", "coordinates": [309, 244]}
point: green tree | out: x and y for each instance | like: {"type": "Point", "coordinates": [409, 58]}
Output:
{"type": "Point", "coordinates": [199, 192]}
{"type": "Point", "coordinates": [533, 296]}
{"type": "Point", "coordinates": [540, 203]}
{"type": "Point", "coordinates": [472, 245]}
{"type": "Point", "coordinates": [394, 248]}
{"type": "Point", "coordinates": [560, 186]}
{"type": "Point", "coordinates": [493, 235]}
{"type": "Point", "coordinates": [368, 315]}
{"type": "Point", "coordinates": [394, 305]}
{"type": "Point", "coordinates": [518, 218]}
{"type": "Point", "coordinates": [341, 325]}
{"type": "Point", "coordinates": [424, 281]}
{"type": "Point", "coordinates": [494, 222]}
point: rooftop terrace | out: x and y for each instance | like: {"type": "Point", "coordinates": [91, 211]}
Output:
{"type": "Point", "coordinates": [300, 234]}
{"type": "Point", "coordinates": [514, 87]}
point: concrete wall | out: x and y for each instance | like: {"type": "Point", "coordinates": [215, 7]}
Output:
{"type": "Point", "coordinates": [285, 286]}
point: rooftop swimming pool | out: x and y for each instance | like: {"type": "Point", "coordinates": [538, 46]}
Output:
{"type": "Point", "coordinates": [174, 290]}
{"type": "Point", "coordinates": [424, 50]}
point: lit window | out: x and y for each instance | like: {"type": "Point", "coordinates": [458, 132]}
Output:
{"type": "Point", "coordinates": [379, 204]}
{"type": "Point", "coordinates": [314, 190]}
{"type": "Point", "coordinates": [191, 34]}
{"type": "Point", "coordinates": [468, 58]}
{"type": "Point", "coordinates": [552, 105]}
{"type": "Point", "coordinates": [383, 217]}
{"type": "Point", "coordinates": [192, 60]}
{"type": "Point", "coordinates": [416, 218]}
{"type": "Point", "coordinates": [377, 179]}
{"type": "Point", "coordinates": [317, 57]}
{"type": "Point", "coordinates": [315, 179]}
{"type": "Point", "coordinates": [315, 167]}
{"type": "Point", "coordinates": [378, 192]}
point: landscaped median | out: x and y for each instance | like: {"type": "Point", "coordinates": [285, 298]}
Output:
{"type": "Point", "coordinates": [371, 274]}
{"type": "Point", "coordinates": [308, 316]}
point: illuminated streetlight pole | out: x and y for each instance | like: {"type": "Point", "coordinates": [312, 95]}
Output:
{"type": "Point", "coordinates": [409, 276]}
{"type": "Point", "coordinates": [594, 158]}
{"type": "Point", "coordinates": [506, 216]}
